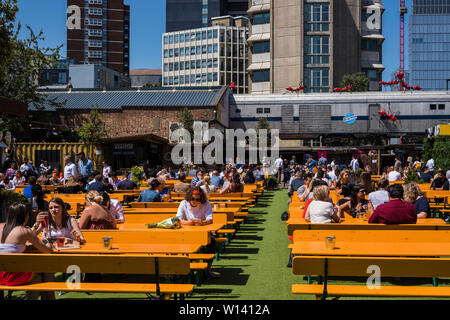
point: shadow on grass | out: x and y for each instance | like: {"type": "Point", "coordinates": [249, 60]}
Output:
{"type": "Point", "coordinates": [242, 250]}
{"type": "Point", "coordinates": [230, 276]}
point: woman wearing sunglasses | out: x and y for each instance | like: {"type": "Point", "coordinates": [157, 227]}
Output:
{"type": "Point", "coordinates": [195, 210]}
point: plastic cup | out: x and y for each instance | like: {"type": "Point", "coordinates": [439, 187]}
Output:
{"type": "Point", "coordinates": [330, 243]}
{"type": "Point", "coordinates": [215, 207]}
{"type": "Point", "coordinates": [107, 242]}
{"type": "Point", "coordinates": [60, 241]}
{"type": "Point", "coordinates": [222, 205]}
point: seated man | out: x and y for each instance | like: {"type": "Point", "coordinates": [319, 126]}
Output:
{"type": "Point", "coordinates": [396, 211]}
{"type": "Point", "coordinates": [97, 185]}
{"type": "Point", "coordinates": [152, 194]}
{"type": "Point", "coordinates": [126, 184]}
{"type": "Point", "coordinates": [440, 182]}
{"type": "Point", "coordinates": [182, 186]}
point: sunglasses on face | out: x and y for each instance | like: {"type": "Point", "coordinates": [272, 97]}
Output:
{"type": "Point", "coordinates": [363, 191]}
{"type": "Point", "coordinates": [195, 199]}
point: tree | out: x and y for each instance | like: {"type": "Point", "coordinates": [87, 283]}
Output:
{"type": "Point", "coordinates": [20, 65]}
{"type": "Point", "coordinates": [427, 152]}
{"type": "Point", "coordinates": [441, 150]}
{"type": "Point", "coordinates": [263, 123]}
{"type": "Point", "coordinates": [187, 121]}
{"type": "Point", "coordinates": [359, 81]}
{"type": "Point", "coordinates": [153, 85]}
{"type": "Point", "coordinates": [93, 131]}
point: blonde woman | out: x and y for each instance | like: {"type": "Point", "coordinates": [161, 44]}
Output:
{"type": "Point", "coordinates": [414, 195]}
{"type": "Point", "coordinates": [96, 216]}
{"type": "Point", "coordinates": [207, 186]}
{"type": "Point", "coordinates": [321, 210]}
{"type": "Point", "coordinates": [344, 178]}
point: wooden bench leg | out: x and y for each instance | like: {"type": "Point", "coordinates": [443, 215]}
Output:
{"type": "Point", "coordinates": [2, 295]}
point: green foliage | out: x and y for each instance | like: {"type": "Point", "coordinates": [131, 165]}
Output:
{"type": "Point", "coordinates": [93, 131]}
{"type": "Point", "coordinates": [136, 174]}
{"type": "Point", "coordinates": [359, 171]}
{"type": "Point", "coordinates": [9, 197]}
{"type": "Point", "coordinates": [411, 176]}
{"type": "Point", "coordinates": [152, 85]}
{"type": "Point", "coordinates": [359, 81]}
{"type": "Point", "coordinates": [20, 65]}
{"type": "Point", "coordinates": [187, 120]}
{"type": "Point", "coordinates": [441, 152]}
{"type": "Point", "coordinates": [427, 152]}
{"type": "Point", "coordinates": [263, 123]}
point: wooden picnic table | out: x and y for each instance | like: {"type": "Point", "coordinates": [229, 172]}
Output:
{"type": "Point", "coordinates": [121, 248]}
{"type": "Point", "coordinates": [370, 248]}
{"type": "Point", "coordinates": [355, 224]}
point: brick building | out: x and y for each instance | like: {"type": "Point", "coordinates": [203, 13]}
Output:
{"type": "Point", "coordinates": [138, 122]}
{"type": "Point", "coordinates": [104, 37]}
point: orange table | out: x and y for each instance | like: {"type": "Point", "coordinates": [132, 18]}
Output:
{"type": "Point", "coordinates": [355, 224]}
{"type": "Point", "coordinates": [149, 211]}
{"type": "Point", "coordinates": [385, 249]}
{"type": "Point", "coordinates": [121, 248]}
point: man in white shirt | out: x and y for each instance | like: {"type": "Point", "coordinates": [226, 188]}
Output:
{"type": "Point", "coordinates": [379, 197]}
{"type": "Point", "coordinates": [279, 165]}
{"type": "Point", "coordinates": [70, 169]}
{"type": "Point", "coordinates": [430, 165]}
{"type": "Point", "coordinates": [394, 175]}
{"type": "Point", "coordinates": [106, 169]}
{"type": "Point", "coordinates": [354, 164]}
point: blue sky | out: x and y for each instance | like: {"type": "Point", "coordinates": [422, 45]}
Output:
{"type": "Point", "coordinates": [148, 23]}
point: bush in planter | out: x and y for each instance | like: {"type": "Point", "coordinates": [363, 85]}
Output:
{"type": "Point", "coordinates": [136, 174]}
{"type": "Point", "coordinates": [411, 176]}
{"type": "Point", "coordinates": [272, 182]}
{"type": "Point", "coordinates": [6, 199]}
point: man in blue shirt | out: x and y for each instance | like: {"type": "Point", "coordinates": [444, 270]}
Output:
{"type": "Point", "coordinates": [152, 194]}
{"type": "Point", "coordinates": [85, 166]}
{"type": "Point", "coordinates": [27, 191]}
{"type": "Point", "coordinates": [216, 179]}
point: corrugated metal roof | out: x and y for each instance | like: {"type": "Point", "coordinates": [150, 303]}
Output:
{"type": "Point", "coordinates": [113, 100]}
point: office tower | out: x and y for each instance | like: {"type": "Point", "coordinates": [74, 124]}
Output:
{"type": "Point", "coordinates": [193, 14]}
{"type": "Point", "coordinates": [104, 36]}
{"type": "Point", "coordinates": [211, 56]}
{"type": "Point", "coordinates": [429, 44]}
{"type": "Point", "coordinates": [313, 43]}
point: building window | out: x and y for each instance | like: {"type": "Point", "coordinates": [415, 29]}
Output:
{"type": "Point", "coordinates": [198, 50]}
{"type": "Point", "coordinates": [95, 11]}
{"type": "Point", "coordinates": [198, 64]}
{"type": "Point", "coordinates": [198, 36]}
{"type": "Point", "coordinates": [171, 39]}
{"type": "Point", "coordinates": [369, 45]}
{"type": "Point", "coordinates": [95, 32]}
{"type": "Point", "coordinates": [432, 107]}
{"type": "Point", "coordinates": [215, 33]}
{"type": "Point", "coordinates": [261, 18]}
{"type": "Point", "coordinates": [192, 51]}
{"type": "Point", "coordinates": [261, 47]}
{"type": "Point", "coordinates": [187, 51]}
{"type": "Point", "coordinates": [181, 65]}
{"type": "Point", "coordinates": [166, 53]}
{"type": "Point", "coordinates": [175, 66]}
{"type": "Point", "coordinates": [317, 17]}
{"type": "Point", "coordinates": [94, 54]}
{"type": "Point", "coordinates": [371, 74]}
{"type": "Point", "coordinates": [175, 52]}
{"type": "Point", "coordinates": [441, 107]}
{"type": "Point", "coordinates": [170, 66]}
{"type": "Point", "coordinates": [166, 67]}
{"type": "Point", "coordinates": [266, 110]}
{"type": "Point", "coordinates": [209, 34]}
{"type": "Point", "coordinates": [175, 38]}
{"type": "Point", "coordinates": [193, 64]}
{"type": "Point", "coordinates": [186, 37]}
{"type": "Point", "coordinates": [259, 110]}
{"type": "Point", "coordinates": [203, 35]}
{"type": "Point", "coordinates": [317, 77]}
{"type": "Point", "coordinates": [261, 76]}
{"type": "Point", "coordinates": [170, 53]}
{"type": "Point", "coordinates": [94, 22]}
{"type": "Point", "coordinates": [186, 66]}
{"type": "Point", "coordinates": [95, 1]}
{"type": "Point", "coordinates": [203, 49]}
{"type": "Point", "coordinates": [95, 43]}
{"type": "Point", "coordinates": [186, 79]}
{"type": "Point", "coordinates": [181, 52]}
{"type": "Point", "coordinates": [181, 37]}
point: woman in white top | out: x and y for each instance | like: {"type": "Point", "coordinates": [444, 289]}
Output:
{"type": "Point", "coordinates": [13, 236]}
{"type": "Point", "coordinates": [195, 209]}
{"type": "Point", "coordinates": [320, 210]}
{"type": "Point", "coordinates": [106, 169]}
{"type": "Point", "coordinates": [19, 179]}
{"type": "Point", "coordinates": [8, 184]}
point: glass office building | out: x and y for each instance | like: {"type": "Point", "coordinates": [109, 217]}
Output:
{"type": "Point", "coordinates": [193, 14]}
{"type": "Point", "coordinates": [429, 44]}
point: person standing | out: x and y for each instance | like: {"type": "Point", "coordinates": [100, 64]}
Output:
{"type": "Point", "coordinates": [430, 165]}
{"type": "Point", "coordinates": [106, 169]}
{"type": "Point", "coordinates": [70, 169]}
{"type": "Point", "coordinates": [279, 165]}
{"type": "Point", "coordinates": [397, 164]}
{"type": "Point", "coordinates": [394, 175]}
{"type": "Point", "coordinates": [354, 164]}
{"type": "Point", "coordinates": [323, 161]}
{"type": "Point", "coordinates": [85, 166]}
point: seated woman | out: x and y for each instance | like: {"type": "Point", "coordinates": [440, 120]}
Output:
{"type": "Point", "coordinates": [58, 223]}
{"type": "Point", "coordinates": [7, 183]}
{"type": "Point", "coordinates": [195, 210]}
{"type": "Point", "coordinates": [19, 179]}
{"type": "Point", "coordinates": [13, 236]}
{"type": "Point", "coordinates": [234, 186]}
{"type": "Point", "coordinates": [43, 180]}
{"type": "Point", "coordinates": [54, 179]}
{"type": "Point", "coordinates": [114, 206]}
{"type": "Point", "coordinates": [164, 192]}
{"type": "Point", "coordinates": [345, 204]}
{"type": "Point", "coordinates": [207, 186]}
{"type": "Point", "coordinates": [358, 204]}
{"type": "Point", "coordinates": [72, 185]}
{"type": "Point", "coordinates": [96, 216]}
{"type": "Point", "coordinates": [320, 210]}
{"type": "Point", "coordinates": [413, 194]}
{"type": "Point", "coordinates": [11, 172]}
{"type": "Point", "coordinates": [38, 202]}
{"type": "Point", "coordinates": [344, 178]}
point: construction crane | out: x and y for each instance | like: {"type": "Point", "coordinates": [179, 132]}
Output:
{"type": "Point", "coordinates": [401, 72]}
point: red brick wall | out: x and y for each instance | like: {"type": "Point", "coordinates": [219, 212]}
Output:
{"type": "Point", "coordinates": [135, 121]}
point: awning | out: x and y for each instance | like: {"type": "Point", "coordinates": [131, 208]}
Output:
{"type": "Point", "coordinates": [10, 106]}
{"type": "Point", "coordinates": [259, 8]}
{"type": "Point", "coordinates": [373, 66]}
{"type": "Point", "coordinates": [374, 6]}
{"type": "Point", "coordinates": [259, 66]}
{"type": "Point", "coordinates": [374, 37]}
{"type": "Point", "coordinates": [259, 37]}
